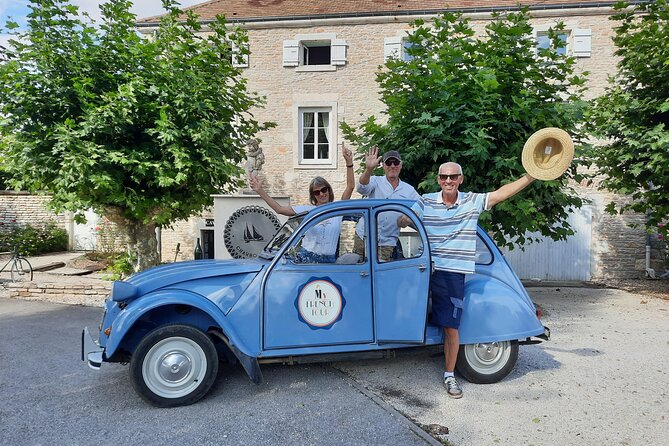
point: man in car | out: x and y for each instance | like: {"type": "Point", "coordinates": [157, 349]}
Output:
{"type": "Point", "coordinates": [386, 186]}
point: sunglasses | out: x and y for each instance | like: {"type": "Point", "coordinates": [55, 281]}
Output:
{"type": "Point", "coordinates": [392, 162]}
{"type": "Point", "coordinates": [322, 190]}
{"type": "Point", "coordinates": [452, 176]}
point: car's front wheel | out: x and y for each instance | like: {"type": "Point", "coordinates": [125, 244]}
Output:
{"type": "Point", "coordinates": [174, 365]}
{"type": "Point", "coordinates": [487, 362]}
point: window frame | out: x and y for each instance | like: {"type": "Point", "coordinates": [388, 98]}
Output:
{"type": "Point", "coordinates": [567, 48]}
{"type": "Point", "coordinates": [293, 51]}
{"type": "Point", "coordinates": [300, 162]}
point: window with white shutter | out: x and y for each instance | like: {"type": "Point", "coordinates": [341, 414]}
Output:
{"type": "Point", "coordinates": [315, 52]}
{"type": "Point", "coordinates": [575, 41]}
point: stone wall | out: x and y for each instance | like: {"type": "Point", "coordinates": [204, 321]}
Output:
{"type": "Point", "coordinates": [89, 294]}
{"type": "Point", "coordinates": [24, 208]}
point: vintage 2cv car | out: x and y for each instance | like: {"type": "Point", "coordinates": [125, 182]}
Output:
{"type": "Point", "coordinates": [173, 323]}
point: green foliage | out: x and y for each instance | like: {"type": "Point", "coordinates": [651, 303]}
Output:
{"type": "Point", "coordinates": [633, 114]}
{"type": "Point", "coordinates": [142, 128]}
{"type": "Point", "coordinates": [475, 101]}
{"type": "Point", "coordinates": [121, 266]}
{"type": "Point", "coordinates": [33, 239]}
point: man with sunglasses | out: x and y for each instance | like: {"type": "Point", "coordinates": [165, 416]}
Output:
{"type": "Point", "coordinates": [450, 218]}
{"type": "Point", "coordinates": [387, 186]}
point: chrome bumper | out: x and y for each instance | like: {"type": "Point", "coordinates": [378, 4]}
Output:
{"type": "Point", "coordinates": [91, 352]}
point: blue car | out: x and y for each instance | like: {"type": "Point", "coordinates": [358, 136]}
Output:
{"type": "Point", "coordinates": [174, 323]}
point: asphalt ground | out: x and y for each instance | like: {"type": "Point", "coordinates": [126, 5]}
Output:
{"type": "Point", "coordinates": [50, 397]}
{"type": "Point", "coordinates": [602, 379]}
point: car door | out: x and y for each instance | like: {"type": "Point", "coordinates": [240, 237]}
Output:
{"type": "Point", "coordinates": [310, 301]}
{"type": "Point", "coordinates": [401, 284]}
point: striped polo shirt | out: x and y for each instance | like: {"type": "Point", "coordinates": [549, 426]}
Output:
{"type": "Point", "coordinates": [451, 231]}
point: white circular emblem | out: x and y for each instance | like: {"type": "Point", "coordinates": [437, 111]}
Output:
{"type": "Point", "coordinates": [319, 303]}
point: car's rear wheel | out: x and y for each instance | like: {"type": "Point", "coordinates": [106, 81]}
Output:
{"type": "Point", "coordinates": [487, 362]}
{"type": "Point", "coordinates": [174, 365]}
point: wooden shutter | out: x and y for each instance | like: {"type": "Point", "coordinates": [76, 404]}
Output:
{"type": "Point", "coordinates": [582, 42]}
{"type": "Point", "coordinates": [291, 53]}
{"type": "Point", "coordinates": [392, 47]}
{"type": "Point", "coordinates": [338, 52]}
{"type": "Point", "coordinates": [239, 60]}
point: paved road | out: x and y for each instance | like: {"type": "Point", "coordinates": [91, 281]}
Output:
{"type": "Point", "coordinates": [49, 397]}
{"type": "Point", "coordinates": [602, 379]}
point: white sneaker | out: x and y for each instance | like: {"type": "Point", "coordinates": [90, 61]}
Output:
{"type": "Point", "coordinates": [452, 387]}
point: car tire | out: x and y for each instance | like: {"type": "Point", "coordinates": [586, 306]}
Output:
{"type": "Point", "coordinates": [487, 362]}
{"type": "Point", "coordinates": [174, 365]}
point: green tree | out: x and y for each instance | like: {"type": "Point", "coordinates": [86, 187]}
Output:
{"type": "Point", "coordinates": [632, 116]}
{"type": "Point", "coordinates": [142, 130]}
{"type": "Point", "coordinates": [475, 101]}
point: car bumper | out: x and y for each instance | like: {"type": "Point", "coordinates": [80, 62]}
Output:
{"type": "Point", "coordinates": [91, 352]}
{"type": "Point", "coordinates": [545, 336]}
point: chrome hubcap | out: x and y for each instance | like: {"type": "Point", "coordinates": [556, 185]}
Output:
{"type": "Point", "coordinates": [488, 351]}
{"type": "Point", "coordinates": [174, 367]}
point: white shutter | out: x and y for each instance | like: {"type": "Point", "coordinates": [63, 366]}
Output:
{"type": "Point", "coordinates": [291, 53]}
{"type": "Point", "coordinates": [239, 60]}
{"type": "Point", "coordinates": [338, 52]}
{"type": "Point", "coordinates": [392, 47]}
{"type": "Point", "coordinates": [582, 42]}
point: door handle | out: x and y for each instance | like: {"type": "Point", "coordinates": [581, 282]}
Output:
{"type": "Point", "coordinates": [422, 268]}
{"type": "Point", "coordinates": [364, 274]}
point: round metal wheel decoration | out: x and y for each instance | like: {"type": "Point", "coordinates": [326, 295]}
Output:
{"type": "Point", "coordinates": [248, 230]}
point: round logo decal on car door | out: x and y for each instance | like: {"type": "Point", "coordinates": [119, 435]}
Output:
{"type": "Point", "coordinates": [320, 303]}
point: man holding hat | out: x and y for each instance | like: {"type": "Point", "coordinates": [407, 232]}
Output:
{"type": "Point", "coordinates": [450, 218]}
{"type": "Point", "coordinates": [387, 186]}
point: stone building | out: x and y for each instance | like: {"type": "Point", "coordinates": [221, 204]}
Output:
{"type": "Point", "coordinates": [316, 61]}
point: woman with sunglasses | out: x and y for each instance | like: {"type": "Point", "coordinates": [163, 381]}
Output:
{"type": "Point", "coordinates": [320, 242]}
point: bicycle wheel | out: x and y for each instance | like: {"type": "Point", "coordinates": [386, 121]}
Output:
{"type": "Point", "coordinates": [22, 270]}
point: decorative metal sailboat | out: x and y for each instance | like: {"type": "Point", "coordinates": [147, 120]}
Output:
{"type": "Point", "coordinates": [251, 235]}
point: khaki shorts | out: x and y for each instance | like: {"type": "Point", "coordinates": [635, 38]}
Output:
{"type": "Point", "coordinates": [385, 252]}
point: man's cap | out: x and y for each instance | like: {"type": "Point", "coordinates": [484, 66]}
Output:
{"type": "Point", "coordinates": [392, 154]}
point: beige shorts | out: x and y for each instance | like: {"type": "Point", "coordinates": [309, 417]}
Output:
{"type": "Point", "coordinates": [385, 252]}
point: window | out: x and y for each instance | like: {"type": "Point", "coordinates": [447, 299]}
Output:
{"type": "Point", "coordinates": [577, 42]}
{"type": "Point", "coordinates": [392, 244]}
{"type": "Point", "coordinates": [314, 52]}
{"type": "Point", "coordinates": [397, 47]}
{"type": "Point", "coordinates": [328, 240]}
{"type": "Point", "coordinates": [544, 42]}
{"type": "Point", "coordinates": [315, 135]}
{"type": "Point", "coordinates": [405, 54]}
{"type": "Point", "coordinates": [483, 254]}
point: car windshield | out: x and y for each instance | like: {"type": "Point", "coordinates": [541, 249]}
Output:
{"type": "Point", "coordinates": [282, 235]}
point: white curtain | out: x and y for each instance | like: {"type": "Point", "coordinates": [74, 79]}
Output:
{"type": "Point", "coordinates": [308, 121]}
{"type": "Point", "coordinates": [326, 125]}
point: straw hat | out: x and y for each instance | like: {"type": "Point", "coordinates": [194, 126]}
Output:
{"type": "Point", "coordinates": [547, 154]}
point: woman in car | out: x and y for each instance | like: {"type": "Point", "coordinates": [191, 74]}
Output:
{"type": "Point", "coordinates": [319, 244]}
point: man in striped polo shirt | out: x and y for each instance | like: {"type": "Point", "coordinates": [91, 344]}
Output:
{"type": "Point", "coordinates": [450, 218]}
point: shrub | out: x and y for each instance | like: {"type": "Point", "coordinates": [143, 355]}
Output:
{"type": "Point", "coordinates": [34, 239]}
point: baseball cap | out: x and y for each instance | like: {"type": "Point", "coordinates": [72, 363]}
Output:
{"type": "Point", "coordinates": [392, 154]}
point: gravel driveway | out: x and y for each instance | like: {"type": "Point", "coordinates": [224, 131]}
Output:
{"type": "Point", "coordinates": [602, 379]}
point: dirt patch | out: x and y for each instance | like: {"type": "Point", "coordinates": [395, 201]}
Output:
{"type": "Point", "coordinates": [406, 397]}
{"type": "Point", "coordinates": [647, 287]}
{"type": "Point", "coordinates": [84, 262]}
